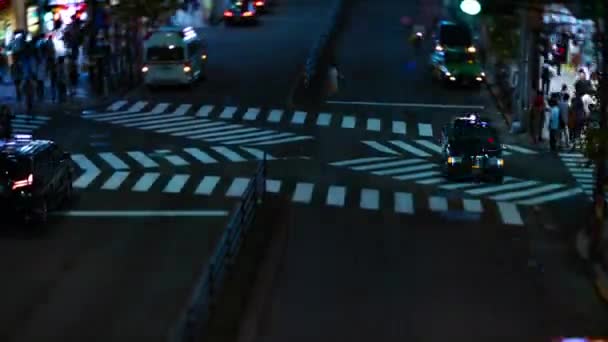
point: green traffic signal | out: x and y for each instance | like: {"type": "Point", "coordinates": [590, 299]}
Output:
{"type": "Point", "coordinates": [470, 7]}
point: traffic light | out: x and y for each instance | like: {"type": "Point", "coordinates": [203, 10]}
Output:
{"type": "Point", "coordinates": [470, 7]}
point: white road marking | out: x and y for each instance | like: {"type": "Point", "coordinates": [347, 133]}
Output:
{"type": "Point", "coordinates": [373, 125]}
{"type": "Point", "coordinates": [379, 147]}
{"type": "Point", "coordinates": [145, 182]}
{"type": "Point", "coordinates": [176, 184]}
{"type": "Point", "coordinates": [509, 213]}
{"type": "Point", "coordinates": [425, 130]}
{"type": "Point", "coordinates": [284, 140]}
{"type": "Point", "coordinates": [273, 186]}
{"type": "Point", "coordinates": [251, 114]}
{"type": "Point", "coordinates": [199, 155]}
{"type": "Point", "coordinates": [141, 213]}
{"type": "Point", "coordinates": [303, 192]}
{"type": "Point", "coordinates": [437, 203]}
{"type": "Point", "coordinates": [182, 109]}
{"type": "Point", "coordinates": [91, 172]}
{"type": "Point", "coordinates": [430, 181]}
{"type": "Point", "coordinates": [117, 105]}
{"type": "Point", "coordinates": [409, 148]}
{"type": "Point", "coordinates": [113, 161]}
{"type": "Point", "coordinates": [348, 122]}
{"type": "Point", "coordinates": [221, 131]}
{"type": "Point", "coordinates": [551, 197]}
{"type": "Point", "coordinates": [521, 149]}
{"type": "Point", "coordinates": [336, 196]}
{"type": "Point", "coordinates": [204, 111]}
{"type": "Point", "coordinates": [238, 187]}
{"type": "Point", "coordinates": [324, 119]}
{"type": "Point", "coordinates": [159, 108]}
{"type": "Point", "coordinates": [408, 169]}
{"type": "Point", "coordinates": [228, 113]}
{"type": "Point", "coordinates": [472, 205]}
{"type": "Point", "coordinates": [299, 117]}
{"type": "Point", "coordinates": [504, 187]}
{"type": "Point", "coordinates": [419, 175]}
{"type": "Point", "coordinates": [228, 153]}
{"type": "Point", "coordinates": [206, 186]}
{"type": "Point", "coordinates": [404, 203]}
{"type": "Point", "coordinates": [275, 116]}
{"type": "Point", "coordinates": [256, 137]}
{"type": "Point", "coordinates": [430, 145]}
{"type": "Point", "coordinates": [402, 104]}
{"type": "Point", "coordinates": [386, 165]}
{"type": "Point", "coordinates": [189, 127]}
{"type": "Point", "coordinates": [179, 122]}
{"type": "Point", "coordinates": [257, 153]}
{"type": "Point", "coordinates": [527, 193]}
{"type": "Point", "coordinates": [360, 161]}
{"type": "Point", "coordinates": [173, 159]}
{"type": "Point", "coordinates": [115, 181]}
{"type": "Point", "coordinates": [370, 199]}
{"type": "Point", "coordinates": [399, 127]}
{"type": "Point", "coordinates": [142, 159]}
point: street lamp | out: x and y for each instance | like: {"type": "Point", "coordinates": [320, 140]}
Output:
{"type": "Point", "coordinates": [470, 7]}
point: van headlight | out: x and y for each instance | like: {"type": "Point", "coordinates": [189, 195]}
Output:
{"type": "Point", "coordinates": [454, 160]}
{"type": "Point", "coordinates": [499, 162]}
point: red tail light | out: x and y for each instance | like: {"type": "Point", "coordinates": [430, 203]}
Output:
{"type": "Point", "coordinates": [24, 182]}
{"type": "Point", "coordinates": [228, 14]}
{"type": "Point", "coordinates": [247, 14]}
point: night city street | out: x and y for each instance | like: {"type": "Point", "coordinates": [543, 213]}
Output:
{"type": "Point", "coordinates": [382, 245]}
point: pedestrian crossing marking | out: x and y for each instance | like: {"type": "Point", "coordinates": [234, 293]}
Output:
{"type": "Point", "coordinates": [370, 199]}
{"type": "Point", "coordinates": [251, 114]}
{"type": "Point", "coordinates": [113, 161]}
{"type": "Point", "coordinates": [142, 159]}
{"type": "Point", "coordinates": [377, 146]}
{"type": "Point", "coordinates": [348, 122]}
{"type": "Point", "coordinates": [27, 124]}
{"type": "Point", "coordinates": [583, 172]}
{"type": "Point", "coordinates": [399, 127]}
{"type": "Point", "coordinates": [273, 186]}
{"type": "Point", "coordinates": [425, 130]}
{"type": "Point", "coordinates": [299, 117]}
{"type": "Point", "coordinates": [115, 181]}
{"type": "Point", "coordinates": [207, 185]}
{"type": "Point", "coordinates": [228, 153]}
{"type": "Point", "coordinates": [117, 105]}
{"type": "Point", "coordinates": [238, 187]}
{"type": "Point", "coordinates": [509, 213]}
{"type": "Point", "coordinates": [373, 125]}
{"type": "Point", "coordinates": [521, 149]}
{"type": "Point", "coordinates": [182, 109]}
{"type": "Point", "coordinates": [424, 172]}
{"type": "Point", "coordinates": [409, 148]}
{"type": "Point", "coordinates": [438, 203]}
{"type": "Point", "coordinates": [303, 192]}
{"type": "Point", "coordinates": [472, 205]}
{"type": "Point", "coordinates": [228, 113]}
{"type": "Point", "coordinates": [431, 146]}
{"type": "Point", "coordinates": [176, 184]}
{"type": "Point", "coordinates": [324, 119]}
{"type": "Point", "coordinates": [336, 196]}
{"type": "Point", "coordinates": [146, 182]}
{"type": "Point", "coordinates": [404, 203]}
{"type": "Point", "coordinates": [275, 115]}
{"type": "Point", "coordinates": [201, 156]}
{"type": "Point", "coordinates": [204, 111]}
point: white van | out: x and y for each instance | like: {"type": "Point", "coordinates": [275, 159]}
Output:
{"type": "Point", "coordinates": [174, 56]}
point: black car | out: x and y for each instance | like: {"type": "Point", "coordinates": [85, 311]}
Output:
{"type": "Point", "coordinates": [241, 11]}
{"type": "Point", "coordinates": [35, 177]}
{"type": "Point", "coordinates": [471, 148]}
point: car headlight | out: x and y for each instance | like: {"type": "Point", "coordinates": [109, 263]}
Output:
{"type": "Point", "coordinates": [471, 49]}
{"type": "Point", "coordinates": [448, 74]}
{"type": "Point", "coordinates": [482, 74]}
{"type": "Point", "coordinates": [454, 160]}
{"type": "Point", "coordinates": [498, 162]}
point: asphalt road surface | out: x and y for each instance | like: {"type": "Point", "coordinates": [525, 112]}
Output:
{"type": "Point", "coordinates": [120, 262]}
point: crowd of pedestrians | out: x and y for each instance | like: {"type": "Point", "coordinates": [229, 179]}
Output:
{"type": "Point", "coordinates": [561, 118]}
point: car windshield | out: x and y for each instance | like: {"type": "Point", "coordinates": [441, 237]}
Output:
{"type": "Point", "coordinates": [13, 168]}
{"type": "Point", "coordinates": [455, 35]}
{"type": "Point", "coordinates": [165, 53]}
{"type": "Point", "coordinates": [473, 132]}
{"type": "Point", "coordinates": [459, 58]}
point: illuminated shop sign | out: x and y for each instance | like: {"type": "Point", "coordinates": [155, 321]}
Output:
{"type": "Point", "coordinates": [64, 2]}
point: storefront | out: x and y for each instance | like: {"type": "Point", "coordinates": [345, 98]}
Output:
{"type": "Point", "coordinates": [59, 14]}
{"type": "Point", "coordinates": [7, 22]}
{"type": "Point", "coordinates": [32, 18]}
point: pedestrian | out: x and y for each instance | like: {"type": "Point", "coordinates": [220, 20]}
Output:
{"type": "Point", "coordinates": [564, 90]}
{"type": "Point", "coordinates": [17, 76]}
{"type": "Point", "coordinates": [554, 125]}
{"type": "Point", "coordinates": [62, 79]}
{"type": "Point", "coordinates": [546, 76]}
{"type": "Point", "coordinates": [73, 76]}
{"type": "Point", "coordinates": [536, 117]}
{"type": "Point", "coordinates": [564, 110]}
{"type": "Point", "coordinates": [40, 78]}
{"type": "Point", "coordinates": [578, 113]}
{"type": "Point", "coordinates": [51, 69]}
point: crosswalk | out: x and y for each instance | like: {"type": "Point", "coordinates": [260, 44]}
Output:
{"type": "Point", "coordinates": [305, 193]}
{"type": "Point", "coordinates": [423, 172]}
{"type": "Point", "coordinates": [583, 173]}
{"type": "Point", "coordinates": [123, 110]}
{"type": "Point", "coordinates": [162, 119]}
{"type": "Point", "coordinates": [123, 164]}
{"type": "Point", "coordinates": [26, 124]}
{"type": "Point", "coordinates": [425, 148]}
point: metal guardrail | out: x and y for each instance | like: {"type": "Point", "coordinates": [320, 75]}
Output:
{"type": "Point", "coordinates": [193, 320]}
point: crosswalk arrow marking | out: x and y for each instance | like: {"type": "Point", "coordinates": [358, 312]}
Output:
{"type": "Point", "coordinates": [91, 172]}
{"type": "Point", "coordinates": [113, 161]}
{"type": "Point", "coordinates": [201, 156]}
{"type": "Point", "coordinates": [145, 182]}
{"type": "Point", "coordinates": [228, 153]}
{"type": "Point", "coordinates": [115, 181]}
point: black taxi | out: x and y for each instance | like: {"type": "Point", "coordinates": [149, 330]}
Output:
{"type": "Point", "coordinates": [35, 177]}
{"type": "Point", "coordinates": [472, 149]}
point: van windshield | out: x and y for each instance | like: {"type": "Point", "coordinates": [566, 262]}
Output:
{"type": "Point", "coordinates": [165, 54]}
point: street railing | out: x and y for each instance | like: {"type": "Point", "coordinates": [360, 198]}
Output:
{"type": "Point", "coordinates": [193, 319]}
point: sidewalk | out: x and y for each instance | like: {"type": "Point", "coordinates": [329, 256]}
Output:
{"type": "Point", "coordinates": [568, 76]}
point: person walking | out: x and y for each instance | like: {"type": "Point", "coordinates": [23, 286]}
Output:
{"type": "Point", "coordinates": [546, 76]}
{"type": "Point", "coordinates": [72, 73]}
{"type": "Point", "coordinates": [17, 76]}
{"type": "Point", "coordinates": [578, 118]}
{"type": "Point", "coordinates": [554, 125]}
{"type": "Point", "coordinates": [564, 110]}
{"type": "Point", "coordinates": [536, 116]}
{"type": "Point", "coordinates": [62, 79]}
{"type": "Point", "coordinates": [51, 69]}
